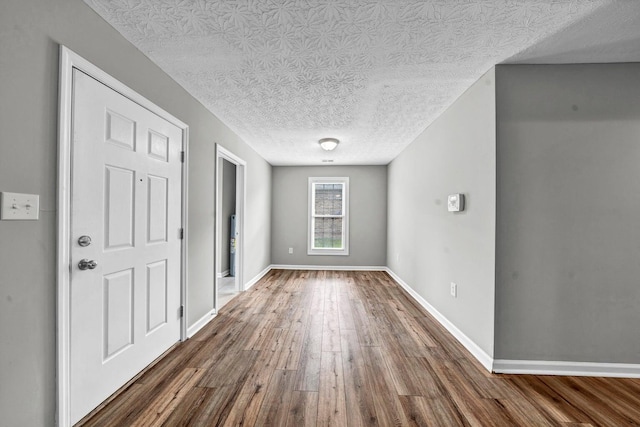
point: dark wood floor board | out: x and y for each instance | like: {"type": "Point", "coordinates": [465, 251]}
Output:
{"type": "Point", "coordinates": [308, 375]}
{"type": "Point", "coordinates": [404, 371]}
{"type": "Point", "coordinates": [122, 410]}
{"type": "Point", "coordinates": [389, 410]}
{"type": "Point", "coordinates": [403, 304]}
{"type": "Point", "coordinates": [212, 408]}
{"type": "Point", "coordinates": [231, 333]}
{"type": "Point", "coordinates": [424, 412]}
{"type": "Point", "coordinates": [165, 403]}
{"type": "Point", "coordinates": [221, 325]}
{"type": "Point", "coordinates": [275, 408]}
{"type": "Point", "coordinates": [411, 326]}
{"type": "Point", "coordinates": [248, 403]}
{"type": "Point", "coordinates": [577, 425]}
{"type": "Point", "coordinates": [476, 410]}
{"type": "Point", "coordinates": [303, 409]}
{"type": "Point", "coordinates": [297, 315]}
{"type": "Point", "coordinates": [347, 348]}
{"type": "Point", "coordinates": [358, 391]}
{"type": "Point", "coordinates": [430, 384]}
{"type": "Point", "coordinates": [291, 349]}
{"type": "Point", "coordinates": [524, 413]}
{"type": "Point", "coordinates": [486, 387]}
{"type": "Point", "coordinates": [232, 368]}
{"type": "Point", "coordinates": [631, 387]}
{"type": "Point", "coordinates": [332, 410]}
{"type": "Point", "coordinates": [262, 336]}
{"type": "Point", "coordinates": [352, 285]}
{"type": "Point", "coordinates": [542, 396]}
{"type": "Point", "coordinates": [166, 369]}
{"type": "Point", "coordinates": [367, 334]}
{"type": "Point", "coordinates": [317, 299]}
{"type": "Point", "coordinates": [451, 349]}
{"type": "Point", "coordinates": [574, 391]}
{"type": "Point", "coordinates": [619, 399]}
{"type": "Point", "coordinates": [345, 312]}
{"type": "Point", "coordinates": [399, 337]}
{"type": "Point", "coordinates": [188, 409]}
{"type": "Point", "coordinates": [330, 326]}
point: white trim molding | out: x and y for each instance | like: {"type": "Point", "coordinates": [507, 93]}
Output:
{"type": "Point", "coordinates": [344, 215]}
{"type": "Point", "coordinates": [223, 274]}
{"type": "Point", "coordinates": [468, 343]}
{"type": "Point", "coordinates": [201, 323]}
{"type": "Point", "coordinates": [578, 369]}
{"type": "Point", "coordinates": [241, 203]}
{"type": "Point", "coordinates": [257, 277]}
{"type": "Point", "coordinates": [328, 267]}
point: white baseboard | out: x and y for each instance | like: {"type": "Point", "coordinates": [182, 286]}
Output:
{"type": "Point", "coordinates": [588, 369]}
{"type": "Point", "coordinates": [257, 277]}
{"type": "Point", "coordinates": [474, 349]}
{"type": "Point", "coordinates": [328, 267]}
{"type": "Point", "coordinates": [223, 274]}
{"type": "Point", "coordinates": [193, 329]}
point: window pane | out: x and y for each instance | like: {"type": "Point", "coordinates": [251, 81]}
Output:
{"type": "Point", "coordinates": [328, 199]}
{"type": "Point", "coordinates": [327, 233]}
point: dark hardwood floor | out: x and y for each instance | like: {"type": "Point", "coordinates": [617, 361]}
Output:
{"type": "Point", "coordinates": [329, 348]}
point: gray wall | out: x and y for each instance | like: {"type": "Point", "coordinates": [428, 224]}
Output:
{"type": "Point", "coordinates": [228, 209]}
{"type": "Point", "coordinates": [429, 247]}
{"type": "Point", "coordinates": [30, 31]}
{"type": "Point", "coordinates": [367, 211]}
{"type": "Point", "coordinates": [568, 240]}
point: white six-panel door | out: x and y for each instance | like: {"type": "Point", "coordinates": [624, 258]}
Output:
{"type": "Point", "coordinates": [126, 197]}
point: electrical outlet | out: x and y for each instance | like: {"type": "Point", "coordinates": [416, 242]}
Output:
{"type": "Point", "coordinates": [290, 250]}
{"type": "Point", "coordinates": [454, 290]}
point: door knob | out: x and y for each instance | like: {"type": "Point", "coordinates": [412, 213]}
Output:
{"type": "Point", "coordinates": [86, 264]}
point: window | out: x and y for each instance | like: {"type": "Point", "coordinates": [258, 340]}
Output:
{"type": "Point", "coordinates": [328, 216]}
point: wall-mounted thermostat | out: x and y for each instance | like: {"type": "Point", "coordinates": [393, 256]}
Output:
{"type": "Point", "coordinates": [16, 206]}
{"type": "Point", "coordinates": [455, 202]}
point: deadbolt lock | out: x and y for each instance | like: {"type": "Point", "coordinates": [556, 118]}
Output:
{"type": "Point", "coordinates": [84, 241]}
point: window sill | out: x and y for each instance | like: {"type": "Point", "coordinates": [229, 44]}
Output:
{"type": "Point", "coordinates": [325, 252]}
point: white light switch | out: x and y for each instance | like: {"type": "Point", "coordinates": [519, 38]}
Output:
{"type": "Point", "coordinates": [17, 206]}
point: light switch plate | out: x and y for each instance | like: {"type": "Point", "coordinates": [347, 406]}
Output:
{"type": "Point", "coordinates": [18, 206]}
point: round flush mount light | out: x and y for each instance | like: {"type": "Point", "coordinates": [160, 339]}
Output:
{"type": "Point", "coordinates": [328, 144]}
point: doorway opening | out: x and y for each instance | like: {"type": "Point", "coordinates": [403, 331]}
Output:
{"type": "Point", "coordinates": [230, 200]}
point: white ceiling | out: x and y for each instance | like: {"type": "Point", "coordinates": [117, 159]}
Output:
{"type": "Point", "coordinates": [372, 73]}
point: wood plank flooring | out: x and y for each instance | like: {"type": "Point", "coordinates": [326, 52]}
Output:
{"type": "Point", "coordinates": [329, 348]}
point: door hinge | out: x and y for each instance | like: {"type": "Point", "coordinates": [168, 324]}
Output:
{"type": "Point", "coordinates": [181, 233]}
{"type": "Point", "coordinates": [182, 311]}
{"type": "Point", "coordinates": [182, 156]}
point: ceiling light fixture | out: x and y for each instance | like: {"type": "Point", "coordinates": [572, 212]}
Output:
{"type": "Point", "coordinates": [328, 144]}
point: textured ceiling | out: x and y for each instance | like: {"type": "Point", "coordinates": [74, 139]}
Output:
{"type": "Point", "coordinates": [373, 73]}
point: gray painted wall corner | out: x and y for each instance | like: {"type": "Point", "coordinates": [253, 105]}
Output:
{"type": "Point", "coordinates": [429, 247]}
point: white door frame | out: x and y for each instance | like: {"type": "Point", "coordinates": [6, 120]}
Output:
{"type": "Point", "coordinates": [68, 61]}
{"type": "Point", "coordinates": [241, 198]}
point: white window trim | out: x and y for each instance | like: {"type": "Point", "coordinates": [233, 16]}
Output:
{"type": "Point", "coordinates": [345, 223]}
